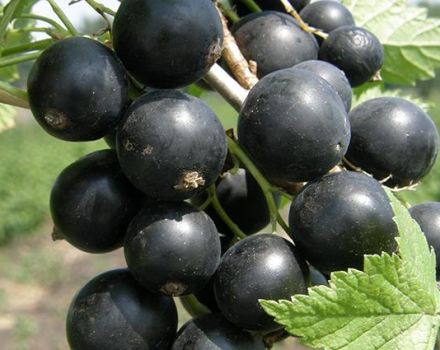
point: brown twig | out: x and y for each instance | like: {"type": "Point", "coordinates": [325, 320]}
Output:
{"type": "Point", "coordinates": [240, 67]}
{"type": "Point", "coordinates": [304, 26]}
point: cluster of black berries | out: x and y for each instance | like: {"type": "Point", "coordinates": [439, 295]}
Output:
{"type": "Point", "coordinates": [295, 125]}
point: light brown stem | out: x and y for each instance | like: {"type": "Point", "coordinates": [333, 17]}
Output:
{"type": "Point", "coordinates": [304, 26]}
{"type": "Point", "coordinates": [240, 67]}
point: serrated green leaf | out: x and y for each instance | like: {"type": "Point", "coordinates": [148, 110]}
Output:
{"type": "Point", "coordinates": [369, 91]}
{"type": "Point", "coordinates": [392, 305]}
{"type": "Point", "coordinates": [7, 117]}
{"type": "Point", "coordinates": [411, 40]}
{"type": "Point", "coordinates": [414, 250]}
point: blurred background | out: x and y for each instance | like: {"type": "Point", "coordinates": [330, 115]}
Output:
{"type": "Point", "coordinates": [38, 277]}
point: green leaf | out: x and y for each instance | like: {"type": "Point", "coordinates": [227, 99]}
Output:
{"type": "Point", "coordinates": [392, 305]}
{"type": "Point", "coordinates": [7, 117]}
{"type": "Point", "coordinates": [419, 260]}
{"type": "Point", "coordinates": [411, 40]}
{"type": "Point", "coordinates": [369, 91]}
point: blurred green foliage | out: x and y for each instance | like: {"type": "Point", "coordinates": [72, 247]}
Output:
{"type": "Point", "coordinates": [30, 161]}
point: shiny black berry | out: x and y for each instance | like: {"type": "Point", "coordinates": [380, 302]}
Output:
{"type": "Point", "coordinates": [333, 75]}
{"type": "Point", "coordinates": [393, 138]}
{"type": "Point", "coordinates": [78, 89]}
{"type": "Point", "coordinates": [113, 312]}
{"type": "Point", "coordinates": [171, 145]}
{"type": "Point", "coordinates": [427, 216]}
{"type": "Point", "coordinates": [356, 51]}
{"type": "Point", "coordinates": [92, 203]}
{"type": "Point", "coordinates": [172, 248]}
{"type": "Point", "coordinates": [339, 218]}
{"type": "Point", "coordinates": [214, 332]}
{"type": "Point", "coordinates": [327, 15]}
{"type": "Point", "coordinates": [263, 266]}
{"type": "Point", "coordinates": [294, 141]}
{"type": "Point", "coordinates": [274, 41]}
{"type": "Point", "coordinates": [167, 44]}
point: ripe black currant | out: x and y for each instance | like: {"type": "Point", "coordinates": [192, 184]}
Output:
{"type": "Point", "coordinates": [274, 41]}
{"type": "Point", "coordinates": [171, 145]}
{"type": "Point", "coordinates": [92, 203]}
{"type": "Point", "coordinates": [356, 51]}
{"type": "Point", "coordinates": [327, 15]}
{"type": "Point", "coordinates": [167, 44]}
{"type": "Point", "coordinates": [172, 248]}
{"type": "Point", "coordinates": [113, 312]}
{"type": "Point", "coordinates": [333, 75]}
{"type": "Point", "coordinates": [392, 137]}
{"type": "Point", "coordinates": [339, 218]}
{"type": "Point", "coordinates": [427, 216]}
{"type": "Point", "coordinates": [297, 141]}
{"type": "Point", "coordinates": [78, 89]}
{"type": "Point", "coordinates": [213, 332]}
{"type": "Point", "coordinates": [262, 266]}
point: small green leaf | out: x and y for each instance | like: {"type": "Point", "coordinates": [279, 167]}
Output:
{"type": "Point", "coordinates": [392, 305]}
{"type": "Point", "coordinates": [411, 40]}
{"type": "Point", "coordinates": [369, 91]}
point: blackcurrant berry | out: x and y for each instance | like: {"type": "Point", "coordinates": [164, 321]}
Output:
{"type": "Point", "coordinates": [263, 266]}
{"type": "Point", "coordinates": [78, 89]}
{"type": "Point", "coordinates": [274, 41]}
{"type": "Point", "coordinates": [356, 51]}
{"type": "Point", "coordinates": [339, 218]}
{"type": "Point", "coordinates": [171, 145]}
{"type": "Point", "coordinates": [164, 44]}
{"type": "Point", "coordinates": [113, 312]}
{"type": "Point", "coordinates": [92, 203]}
{"type": "Point", "coordinates": [214, 332]}
{"type": "Point", "coordinates": [294, 141]}
{"type": "Point", "coordinates": [333, 75]}
{"type": "Point", "coordinates": [393, 137]}
{"type": "Point", "coordinates": [427, 216]}
{"type": "Point", "coordinates": [316, 278]}
{"type": "Point", "coordinates": [327, 15]}
{"type": "Point", "coordinates": [273, 5]}
{"type": "Point", "coordinates": [172, 248]}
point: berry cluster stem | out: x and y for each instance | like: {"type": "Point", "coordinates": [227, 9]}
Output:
{"type": "Point", "coordinates": [238, 233]}
{"type": "Point", "coordinates": [251, 5]}
{"type": "Point", "coordinates": [62, 16]}
{"type": "Point", "coordinates": [304, 26]}
{"type": "Point", "coordinates": [32, 46]}
{"type": "Point", "coordinates": [266, 187]}
{"type": "Point", "coordinates": [47, 20]}
{"type": "Point", "coordinates": [100, 8]}
{"type": "Point", "coordinates": [240, 67]}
